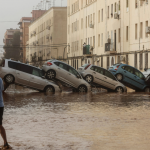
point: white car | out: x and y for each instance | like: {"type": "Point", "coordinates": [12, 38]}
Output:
{"type": "Point", "coordinates": [102, 77]}
{"type": "Point", "coordinates": [146, 72]}
{"type": "Point", "coordinates": [26, 75]}
{"type": "Point", "coordinates": [59, 70]}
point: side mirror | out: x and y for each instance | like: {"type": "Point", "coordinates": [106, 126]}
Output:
{"type": "Point", "coordinates": [145, 69]}
{"type": "Point", "coordinates": [43, 77]}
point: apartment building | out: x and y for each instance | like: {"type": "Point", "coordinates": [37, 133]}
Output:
{"type": "Point", "coordinates": [8, 36]}
{"type": "Point", "coordinates": [113, 31]}
{"type": "Point", "coordinates": [48, 36]}
{"type": "Point", "coordinates": [24, 30]}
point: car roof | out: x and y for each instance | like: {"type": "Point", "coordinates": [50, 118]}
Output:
{"type": "Point", "coordinates": [22, 63]}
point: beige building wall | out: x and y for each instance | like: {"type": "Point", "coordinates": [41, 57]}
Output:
{"type": "Point", "coordinates": [48, 36]}
{"type": "Point", "coordinates": [96, 22]}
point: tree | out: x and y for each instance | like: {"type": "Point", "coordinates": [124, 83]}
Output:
{"type": "Point", "coordinates": [13, 51]}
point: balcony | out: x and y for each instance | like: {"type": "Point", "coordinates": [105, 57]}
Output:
{"type": "Point", "coordinates": [110, 48]}
{"type": "Point", "coordinates": [86, 50]}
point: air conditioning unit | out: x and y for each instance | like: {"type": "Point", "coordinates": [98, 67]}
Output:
{"type": "Point", "coordinates": [109, 40]}
{"type": "Point", "coordinates": [118, 12]}
{"type": "Point", "coordinates": [107, 47]}
{"type": "Point", "coordinates": [98, 59]}
{"type": "Point", "coordinates": [116, 16]}
{"type": "Point", "coordinates": [91, 25]}
{"type": "Point", "coordinates": [148, 30]}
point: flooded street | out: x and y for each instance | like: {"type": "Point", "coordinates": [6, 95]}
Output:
{"type": "Point", "coordinates": [72, 121]}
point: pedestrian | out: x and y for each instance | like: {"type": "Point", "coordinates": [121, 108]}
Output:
{"type": "Point", "coordinates": [2, 130]}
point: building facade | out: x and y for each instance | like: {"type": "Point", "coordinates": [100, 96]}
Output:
{"type": "Point", "coordinates": [48, 36]}
{"type": "Point", "coordinates": [8, 36]}
{"type": "Point", "coordinates": [24, 30]}
{"type": "Point", "coordinates": [113, 32]}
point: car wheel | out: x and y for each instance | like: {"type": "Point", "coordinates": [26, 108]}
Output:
{"type": "Point", "coordinates": [147, 89]}
{"type": "Point", "coordinates": [89, 79]}
{"type": "Point", "coordinates": [119, 77]}
{"type": "Point", "coordinates": [9, 79]}
{"type": "Point", "coordinates": [49, 89]}
{"type": "Point", "coordinates": [50, 74]}
{"type": "Point", "coordinates": [82, 89]}
{"type": "Point", "coordinates": [119, 89]}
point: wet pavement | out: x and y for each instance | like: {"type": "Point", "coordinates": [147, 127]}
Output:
{"type": "Point", "coordinates": [72, 121]}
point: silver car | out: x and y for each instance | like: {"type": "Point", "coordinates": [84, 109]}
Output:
{"type": "Point", "coordinates": [26, 75]}
{"type": "Point", "coordinates": [59, 70]}
{"type": "Point", "coordinates": [102, 77]}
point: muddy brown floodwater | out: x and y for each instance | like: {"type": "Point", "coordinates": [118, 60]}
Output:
{"type": "Point", "coordinates": [72, 121]}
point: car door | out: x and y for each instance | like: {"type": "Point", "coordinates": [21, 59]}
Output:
{"type": "Point", "coordinates": [62, 72]}
{"type": "Point", "coordinates": [23, 74]}
{"type": "Point", "coordinates": [139, 79]}
{"type": "Point", "coordinates": [74, 77]}
{"type": "Point", "coordinates": [110, 80]}
{"type": "Point", "coordinates": [36, 80]}
{"type": "Point", "coordinates": [129, 75]}
{"type": "Point", "coordinates": [98, 74]}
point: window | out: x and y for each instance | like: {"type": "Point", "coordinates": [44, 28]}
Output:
{"type": "Point", "coordinates": [37, 72]}
{"type": "Point", "coordinates": [82, 23]}
{"type": "Point", "coordinates": [62, 65]}
{"type": "Point", "coordinates": [136, 4]}
{"type": "Point", "coordinates": [127, 59]}
{"type": "Point", "coordinates": [108, 12]}
{"type": "Point", "coordinates": [102, 39]}
{"type": "Point", "coordinates": [115, 7]}
{"type": "Point", "coordinates": [99, 40]}
{"type": "Point", "coordinates": [73, 71]}
{"type": "Point", "coordinates": [107, 62]}
{"type": "Point", "coordinates": [102, 15]}
{"type": "Point", "coordinates": [109, 75]}
{"type": "Point", "coordinates": [127, 33]}
{"type": "Point", "coordinates": [136, 30]}
{"type": "Point", "coordinates": [139, 74]}
{"type": "Point", "coordinates": [146, 60]}
{"type": "Point", "coordinates": [135, 60]}
{"type": "Point", "coordinates": [141, 61]}
{"type": "Point", "coordinates": [146, 25]}
{"type": "Point", "coordinates": [129, 69]}
{"type": "Point", "coordinates": [25, 68]}
{"type": "Point", "coordinates": [127, 3]}
{"type": "Point", "coordinates": [92, 68]}
{"type": "Point", "coordinates": [12, 65]}
{"type": "Point", "coordinates": [101, 61]}
{"type": "Point", "coordinates": [93, 41]}
{"type": "Point", "coordinates": [99, 16]}
{"type": "Point", "coordinates": [119, 35]}
{"type": "Point", "coordinates": [141, 30]}
{"type": "Point", "coordinates": [111, 10]}
{"type": "Point", "coordinates": [99, 70]}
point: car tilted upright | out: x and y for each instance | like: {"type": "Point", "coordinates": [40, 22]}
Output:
{"type": "Point", "coordinates": [101, 77]}
{"type": "Point", "coordinates": [130, 76]}
{"type": "Point", "coordinates": [26, 75]}
{"type": "Point", "coordinates": [65, 73]}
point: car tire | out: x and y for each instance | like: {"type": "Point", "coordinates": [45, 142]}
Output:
{"type": "Point", "coordinates": [49, 89]}
{"type": "Point", "coordinates": [89, 79]}
{"type": "Point", "coordinates": [82, 89]}
{"type": "Point", "coordinates": [119, 89]}
{"type": "Point", "coordinates": [119, 77]}
{"type": "Point", "coordinates": [9, 79]}
{"type": "Point", "coordinates": [50, 74]}
{"type": "Point", "coordinates": [147, 89]}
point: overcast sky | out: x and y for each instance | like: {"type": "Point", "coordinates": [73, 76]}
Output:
{"type": "Point", "coordinates": [14, 10]}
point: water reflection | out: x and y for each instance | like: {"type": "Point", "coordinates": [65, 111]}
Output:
{"type": "Point", "coordinates": [67, 120]}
